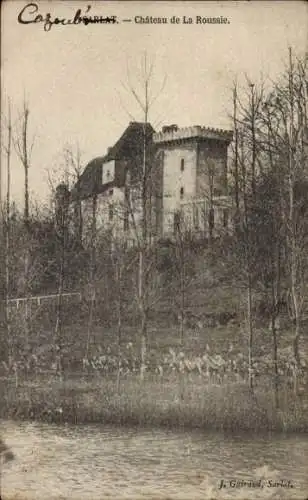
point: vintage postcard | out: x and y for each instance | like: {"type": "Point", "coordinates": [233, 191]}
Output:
{"type": "Point", "coordinates": [154, 250]}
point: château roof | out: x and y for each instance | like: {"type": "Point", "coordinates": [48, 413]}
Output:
{"type": "Point", "coordinates": [127, 148]}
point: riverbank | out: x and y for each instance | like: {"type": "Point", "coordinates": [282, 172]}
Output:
{"type": "Point", "coordinates": [172, 402]}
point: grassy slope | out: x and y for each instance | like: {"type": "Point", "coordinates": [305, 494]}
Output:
{"type": "Point", "coordinates": [163, 400]}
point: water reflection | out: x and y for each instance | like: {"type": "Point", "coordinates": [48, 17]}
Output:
{"type": "Point", "coordinates": [92, 462]}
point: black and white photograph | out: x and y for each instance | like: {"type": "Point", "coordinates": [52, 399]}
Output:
{"type": "Point", "coordinates": [154, 250]}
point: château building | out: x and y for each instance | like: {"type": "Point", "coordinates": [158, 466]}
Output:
{"type": "Point", "coordinates": [193, 173]}
{"type": "Point", "coordinates": [183, 172]}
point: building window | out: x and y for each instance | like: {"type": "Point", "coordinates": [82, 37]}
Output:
{"type": "Point", "coordinates": [225, 219]}
{"type": "Point", "coordinates": [176, 222]}
{"type": "Point", "coordinates": [108, 174]}
{"type": "Point", "coordinates": [181, 193]}
{"type": "Point", "coordinates": [128, 178]}
{"type": "Point", "coordinates": [110, 212]}
{"type": "Point", "coordinates": [196, 217]}
{"type": "Point", "coordinates": [217, 191]}
{"type": "Point", "coordinates": [182, 164]}
{"type": "Point", "coordinates": [110, 192]}
{"type": "Point", "coordinates": [211, 219]}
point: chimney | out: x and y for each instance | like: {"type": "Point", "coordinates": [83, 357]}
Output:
{"type": "Point", "coordinates": [170, 128]}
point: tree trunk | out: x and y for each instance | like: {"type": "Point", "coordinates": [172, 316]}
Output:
{"type": "Point", "coordinates": [8, 244]}
{"type": "Point", "coordinates": [182, 381]}
{"type": "Point", "coordinates": [142, 254]}
{"type": "Point", "coordinates": [58, 327]}
{"type": "Point", "coordinates": [182, 290]}
{"type": "Point", "coordinates": [182, 320]}
{"type": "Point", "coordinates": [92, 271]}
{"type": "Point", "coordinates": [5, 331]}
{"type": "Point", "coordinates": [248, 268]}
{"type": "Point", "coordinates": [90, 319]}
{"type": "Point", "coordinates": [250, 333]}
{"type": "Point", "coordinates": [27, 279]}
{"type": "Point", "coordinates": [143, 345]}
{"type": "Point", "coordinates": [292, 223]}
{"type": "Point", "coordinates": [253, 142]}
{"type": "Point", "coordinates": [119, 328]}
{"type": "Point", "coordinates": [236, 169]}
{"type": "Point", "coordinates": [275, 358]}
{"type": "Point", "coordinates": [58, 340]}
{"type": "Point", "coordinates": [26, 165]}
{"type": "Point", "coordinates": [296, 339]}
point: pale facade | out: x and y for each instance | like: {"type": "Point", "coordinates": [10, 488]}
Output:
{"type": "Point", "coordinates": [108, 209]}
{"type": "Point", "coordinates": [193, 163]}
{"type": "Point", "coordinates": [187, 183]}
{"type": "Point", "coordinates": [113, 214]}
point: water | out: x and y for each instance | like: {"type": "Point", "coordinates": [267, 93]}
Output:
{"type": "Point", "coordinates": [93, 462]}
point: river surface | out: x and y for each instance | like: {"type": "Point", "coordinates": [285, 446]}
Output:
{"type": "Point", "coordinates": [97, 462]}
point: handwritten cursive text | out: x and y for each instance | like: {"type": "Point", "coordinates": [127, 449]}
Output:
{"type": "Point", "coordinates": [30, 14]}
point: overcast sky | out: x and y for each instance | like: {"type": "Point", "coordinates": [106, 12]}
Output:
{"type": "Point", "coordinates": [72, 75]}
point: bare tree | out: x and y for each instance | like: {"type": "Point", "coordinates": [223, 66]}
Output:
{"type": "Point", "coordinates": [74, 167]}
{"type": "Point", "coordinates": [6, 230]}
{"type": "Point", "coordinates": [295, 155]}
{"type": "Point", "coordinates": [8, 204]}
{"type": "Point", "coordinates": [23, 146]}
{"type": "Point", "coordinates": [286, 112]}
{"type": "Point", "coordinates": [271, 150]}
{"type": "Point", "coordinates": [92, 269]}
{"type": "Point", "coordinates": [117, 260]}
{"type": "Point", "coordinates": [182, 259]}
{"type": "Point", "coordinates": [236, 150]}
{"type": "Point", "coordinates": [62, 225]}
{"type": "Point", "coordinates": [145, 99]}
{"type": "Point", "coordinates": [243, 223]}
{"type": "Point", "coordinates": [247, 261]}
{"type": "Point", "coordinates": [182, 265]}
{"type": "Point", "coordinates": [247, 167]}
{"type": "Point", "coordinates": [59, 185]}
{"type": "Point", "coordinates": [269, 242]}
{"type": "Point", "coordinates": [122, 263]}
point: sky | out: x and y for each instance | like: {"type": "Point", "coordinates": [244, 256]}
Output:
{"type": "Point", "coordinates": [75, 77]}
